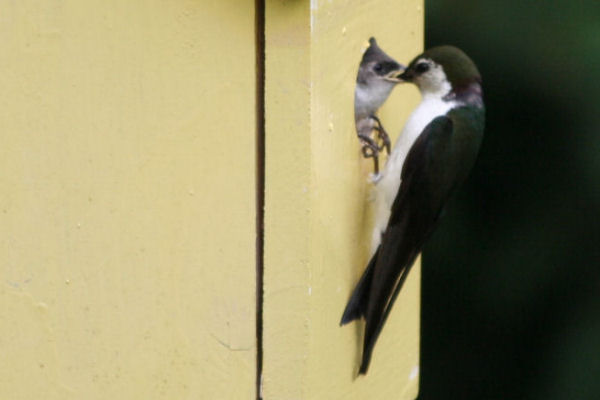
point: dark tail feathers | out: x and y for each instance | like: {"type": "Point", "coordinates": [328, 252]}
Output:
{"type": "Point", "coordinates": [357, 305]}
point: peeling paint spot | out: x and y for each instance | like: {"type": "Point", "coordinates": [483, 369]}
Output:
{"type": "Point", "coordinates": [344, 31]}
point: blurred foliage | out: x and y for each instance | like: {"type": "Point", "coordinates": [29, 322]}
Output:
{"type": "Point", "coordinates": [511, 279]}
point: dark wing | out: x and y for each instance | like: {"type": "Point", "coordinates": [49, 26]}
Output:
{"type": "Point", "coordinates": [414, 214]}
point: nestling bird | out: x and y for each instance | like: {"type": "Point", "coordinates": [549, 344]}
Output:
{"type": "Point", "coordinates": [432, 157]}
{"type": "Point", "coordinates": [377, 76]}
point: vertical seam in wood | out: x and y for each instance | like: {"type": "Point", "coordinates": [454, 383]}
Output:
{"type": "Point", "coordinates": [260, 185]}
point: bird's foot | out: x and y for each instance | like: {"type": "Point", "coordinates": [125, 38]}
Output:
{"type": "Point", "coordinates": [370, 149]}
{"type": "Point", "coordinates": [382, 135]}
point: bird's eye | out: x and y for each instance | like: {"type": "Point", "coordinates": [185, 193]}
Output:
{"type": "Point", "coordinates": [422, 67]}
{"type": "Point", "coordinates": [378, 67]}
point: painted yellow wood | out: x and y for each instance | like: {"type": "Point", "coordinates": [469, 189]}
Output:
{"type": "Point", "coordinates": [318, 205]}
{"type": "Point", "coordinates": [127, 199]}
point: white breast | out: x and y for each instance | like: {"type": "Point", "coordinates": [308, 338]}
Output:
{"type": "Point", "coordinates": [387, 188]}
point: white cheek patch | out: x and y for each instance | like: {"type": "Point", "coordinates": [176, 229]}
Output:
{"type": "Point", "coordinates": [434, 82]}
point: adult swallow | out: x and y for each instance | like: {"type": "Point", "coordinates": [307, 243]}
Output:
{"type": "Point", "coordinates": [431, 158]}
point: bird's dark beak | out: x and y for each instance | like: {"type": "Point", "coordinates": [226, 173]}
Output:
{"type": "Point", "coordinates": [393, 76]}
{"type": "Point", "coordinates": [406, 76]}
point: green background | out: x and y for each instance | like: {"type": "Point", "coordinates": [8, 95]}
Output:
{"type": "Point", "coordinates": [511, 278]}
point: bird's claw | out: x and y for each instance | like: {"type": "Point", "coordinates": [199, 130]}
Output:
{"type": "Point", "coordinates": [370, 149]}
{"type": "Point", "coordinates": [382, 135]}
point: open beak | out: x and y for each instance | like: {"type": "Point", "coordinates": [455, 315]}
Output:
{"type": "Point", "coordinates": [394, 75]}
